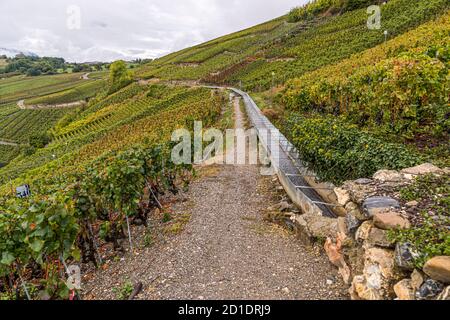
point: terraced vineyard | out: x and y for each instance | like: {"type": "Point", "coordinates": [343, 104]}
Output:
{"type": "Point", "coordinates": [82, 91]}
{"type": "Point", "coordinates": [288, 49]}
{"type": "Point", "coordinates": [17, 88]}
{"type": "Point", "coordinates": [22, 124]}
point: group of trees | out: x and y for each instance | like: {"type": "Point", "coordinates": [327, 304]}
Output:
{"type": "Point", "coordinates": [35, 66]}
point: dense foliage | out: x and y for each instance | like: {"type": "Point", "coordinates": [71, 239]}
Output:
{"type": "Point", "coordinates": [406, 95]}
{"type": "Point", "coordinates": [338, 151]}
{"type": "Point", "coordinates": [65, 219]}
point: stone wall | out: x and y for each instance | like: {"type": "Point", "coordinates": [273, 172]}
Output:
{"type": "Point", "coordinates": [357, 242]}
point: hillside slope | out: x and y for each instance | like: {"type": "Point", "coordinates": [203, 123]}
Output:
{"type": "Point", "coordinates": [108, 162]}
{"type": "Point", "coordinates": [289, 49]}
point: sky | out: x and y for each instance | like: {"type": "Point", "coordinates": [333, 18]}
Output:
{"type": "Point", "coordinates": [107, 30]}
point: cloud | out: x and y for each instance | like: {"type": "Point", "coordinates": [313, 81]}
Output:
{"type": "Point", "coordinates": [126, 29]}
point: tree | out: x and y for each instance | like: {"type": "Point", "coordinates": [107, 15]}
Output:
{"type": "Point", "coordinates": [39, 140]}
{"type": "Point", "coordinates": [119, 76]}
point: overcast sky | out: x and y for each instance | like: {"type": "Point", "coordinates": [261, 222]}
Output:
{"type": "Point", "coordinates": [104, 30]}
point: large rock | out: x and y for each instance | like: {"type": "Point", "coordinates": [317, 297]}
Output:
{"type": "Point", "coordinates": [359, 192]}
{"type": "Point", "coordinates": [378, 274]}
{"type": "Point", "coordinates": [377, 278]}
{"type": "Point", "coordinates": [382, 258]}
{"type": "Point", "coordinates": [390, 221]}
{"type": "Point", "coordinates": [379, 238]}
{"type": "Point", "coordinates": [404, 290]}
{"type": "Point", "coordinates": [389, 176]}
{"type": "Point", "coordinates": [438, 269]}
{"type": "Point", "coordinates": [315, 226]}
{"type": "Point", "coordinates": [431, 289]}
{"type": "Point", "coordinates": [423, 169]}
{"type": "Point", "coordinates": [405, 256]}
{"type": "Point", "coordinates": [375, 205]}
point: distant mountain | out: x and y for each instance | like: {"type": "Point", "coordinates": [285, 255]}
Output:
{"type": "Point", "coordinates": [11, 53]}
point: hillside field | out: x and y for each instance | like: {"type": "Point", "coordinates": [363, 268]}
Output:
{"type": "Point", "coordinates": [352, 100]}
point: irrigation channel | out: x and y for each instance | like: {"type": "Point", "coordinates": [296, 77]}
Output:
{"type": "Point", "coordinates": [286, 160]}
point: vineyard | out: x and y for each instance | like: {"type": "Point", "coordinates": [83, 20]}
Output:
{"type": "Point", "coordinates": [77, 93]}
{"type": "Point", "coordinates": [399, 90]}
{"type": "Point", "coordinates": [278, 51]}
{"type": "Point", "coordinates": [22, 124]}
{"type": "Point", "coordinates": [18, 88]}
{"type": "Point", "coordinates": [95, 178]}
{"type": "Point", "coordinates": [7, 153]}
{"type": "Point", "coordinates": [351, 101]}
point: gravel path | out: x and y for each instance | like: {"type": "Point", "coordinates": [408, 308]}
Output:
{"type": "Point", "coordinates": [227, 250]}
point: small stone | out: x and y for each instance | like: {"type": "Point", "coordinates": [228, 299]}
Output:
{"type": "Point", "coordinates": [379, 238]}
{"type": "Point", "coordinates": [286, 291]}
{"type": "Point", "coordinates": [405, 256]}
{"type": "Point", "coordinates": [334, 252]}
{"type": "Point", "coordinates": [429, 290]}
{"type": "Point", "coordinates": [404, 290]}
{"type": "Point", "coordinates": [417, 279]}
{"type": "Point", "coordinates": [352, 223]}
{"type": "Point", "coordinates": [330, 282]}
{"type": "Point", "coordinates": [390, 221]}
{"type": "Point", "coordinates": [445, 295]}
{"type": "Point", "coordinates": [412, 204]}
{"type": "Point", "coordinates": [342, 195]}
{"type": "Point", "coordinates": [364, 231]}
{"type": "Point", "coordinates": [438, 269]}
{"type": "Point", "coordinates": [43, 296]}
{"type": "Point", "coordinates": [375, 205]}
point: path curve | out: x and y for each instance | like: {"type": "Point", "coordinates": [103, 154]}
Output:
{"type": "Point", "coordinates": [21, 104]}
{"type": "Point", "coordinates": [227, 250]}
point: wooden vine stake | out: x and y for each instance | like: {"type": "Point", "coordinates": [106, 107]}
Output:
{"type": "Point", "coordinates": [23, 284]}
